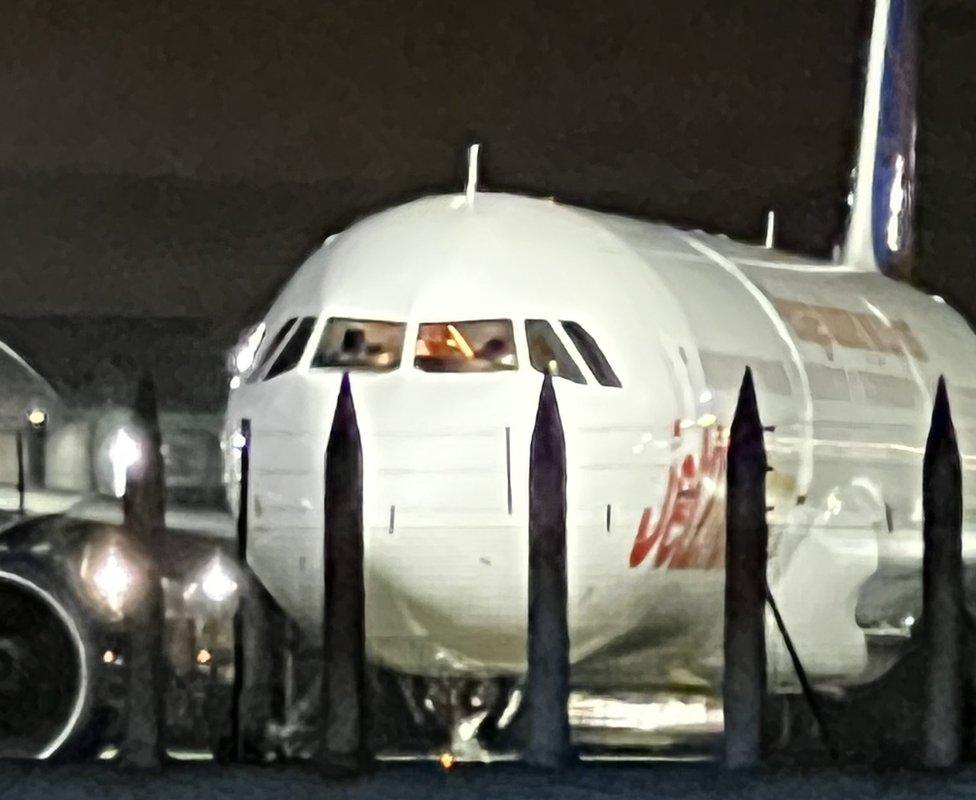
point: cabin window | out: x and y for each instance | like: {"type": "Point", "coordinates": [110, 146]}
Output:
{"type": "Point", "coordinates": [772, 375]}
{"type": "Point", "coordinates": [364, 344]}
{"type": "Point", "coordinates": [592, 354]}
{"type": "Point", "coordinates": [547, 354]}
{"type": "Point", "coordinates": [291, 353]}
{"type": "Point", "coordinates": [271, 349]}
{"type": "Point", "coordinates": [723, 371]}
{"type": "Point", "coordinates": [476, 346]}
{"type": "Point", "coordinates": [827, 383]}
{"type": "Point", "coordinates": [888, 390]}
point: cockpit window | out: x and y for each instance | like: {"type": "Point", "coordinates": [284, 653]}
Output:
{"type": "Point", "coordinates": [548, 354]}
{"type": "Point", "coordinates": [360, 344]}
{"type": "Point", "coordinates": [479, 346]}
{"type": "Point", "coordinates": [592, 354]}
{"type": "Point", "coordinates": [270, 349]}
{"type": "Point", "coordinates": [291, 353]}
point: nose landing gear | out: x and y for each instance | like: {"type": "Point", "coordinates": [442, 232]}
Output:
{"type": "Point", "coordinates": [475, 715]}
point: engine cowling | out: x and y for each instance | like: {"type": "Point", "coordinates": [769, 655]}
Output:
{"type": "Point", "coordinates": [44, 670]}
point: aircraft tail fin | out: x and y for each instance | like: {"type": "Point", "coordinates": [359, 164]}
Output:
{"type": "Point", "coordinates": [880, 225]}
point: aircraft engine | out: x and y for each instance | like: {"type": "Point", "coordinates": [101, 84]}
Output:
{"type": "Point", "coordinates": [44, 673]}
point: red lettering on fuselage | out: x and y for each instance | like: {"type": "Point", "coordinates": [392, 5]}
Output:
{"type": "Point", "coordinates": [688, 532]}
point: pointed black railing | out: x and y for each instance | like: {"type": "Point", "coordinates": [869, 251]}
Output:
{"type": "Point", "coordinates": [547, 681]}
{"type": "Point", "coordinates": [239, 696]}
{"type": "Point", "coordinates": [744, 678]}
{"type": "Point", "coordinates": [343, 748]}
{"type": "Point", "coordinates": [942, 589]}
{"type": "Point", "coordinates": [143, 741]}
{"type": "Point", "coordinates": [253, 691]}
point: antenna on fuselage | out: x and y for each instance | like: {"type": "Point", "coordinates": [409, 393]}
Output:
{"type": "Point", "coordinates": [770, 229]}
{"type": "Point", "coordinates": [472, 185]}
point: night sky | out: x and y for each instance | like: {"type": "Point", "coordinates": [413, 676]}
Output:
{"type": "Point", "coordinates": [179, 160]}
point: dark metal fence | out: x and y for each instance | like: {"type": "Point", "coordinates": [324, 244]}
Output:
{"type": "Point", "coordinates": [345, 693]}
{"type": "Point", "coordinates": [144, 742]}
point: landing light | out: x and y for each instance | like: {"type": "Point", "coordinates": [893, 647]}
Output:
{"type": "Point", "coordinates": [37, 417]}
{"type": "Point", "coordinates": [247, 350]}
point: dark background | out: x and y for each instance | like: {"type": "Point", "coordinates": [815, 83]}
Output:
{"type": "Point", "coordinates": [164, 167]}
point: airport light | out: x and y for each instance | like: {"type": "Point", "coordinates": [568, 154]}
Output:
{"type": "Point", "coordinates": [37, 417]}
{"type": "Point", "coordinates": [111, 575]}
{"type": "Point", "coordinates": [112, 580]}
{"type": "Point", "coordinates": [216, 583]}
{"type": "Point", "coordinates": [123, 453]}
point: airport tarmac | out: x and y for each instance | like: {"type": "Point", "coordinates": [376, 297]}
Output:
{"type": "Point", "coordinates": [662, 781]}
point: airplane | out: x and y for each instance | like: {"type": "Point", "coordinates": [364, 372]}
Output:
{"type": "Point", "coordinates": [448, 310]}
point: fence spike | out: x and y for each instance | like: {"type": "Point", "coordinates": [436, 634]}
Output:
{"type": "Point", "coordinates": [744, 680]}
{"type": "Point", "coordinates": [255, 642]}
{"type": "Point", "coordinates": [343, 748]}
{"type": "Point", "coordinates": [547, 682]}
{"type": "Point", "coordinates": [143, 743]}
{"type": "Point", "coordinates": [942, 592]}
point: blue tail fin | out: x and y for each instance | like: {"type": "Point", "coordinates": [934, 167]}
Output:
{"type": "Point", "coordinates": [879, 231]}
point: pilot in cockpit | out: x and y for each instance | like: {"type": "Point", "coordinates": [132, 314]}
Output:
{"type": "Point", "coordinates": [353, 347]}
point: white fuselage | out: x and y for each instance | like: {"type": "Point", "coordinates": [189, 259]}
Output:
{"type": "Point", "coordinates": [845, 364]}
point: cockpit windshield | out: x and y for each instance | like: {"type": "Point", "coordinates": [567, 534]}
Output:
{"type": "Point", "coordinates": [360, 344]}
{"type": "Point", "coordinates": [477, 346]}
